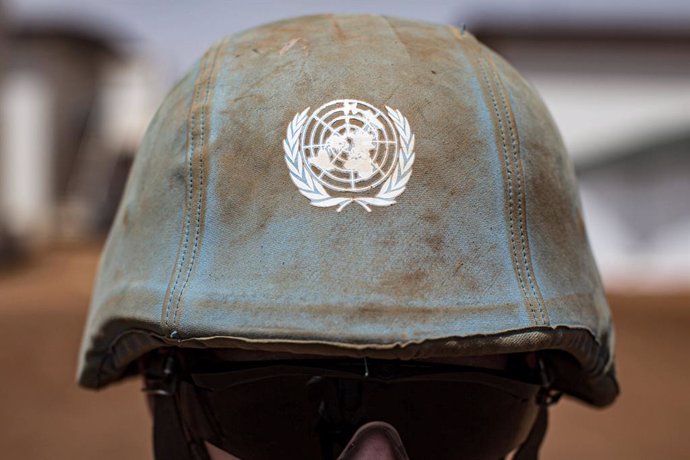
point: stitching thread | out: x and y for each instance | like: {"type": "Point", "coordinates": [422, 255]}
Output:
{"type": "Point", "coordinates": [189, 198]}
{"type": "Point", "coordinates": [520, 196]}
{"type": "Point", "coordinates": [197, 230]}
{"type": "Point", "coordinates": [509, 175]}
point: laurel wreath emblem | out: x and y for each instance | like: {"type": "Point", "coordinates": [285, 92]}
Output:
{"type": "Point", "coordinates": [316, 192]}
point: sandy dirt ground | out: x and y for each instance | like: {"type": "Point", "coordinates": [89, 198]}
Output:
{"type": "Point", "coordinates": [44, 415]}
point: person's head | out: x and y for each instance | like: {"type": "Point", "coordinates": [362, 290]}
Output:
{"type": "Point", "coordinates": [345, 235]}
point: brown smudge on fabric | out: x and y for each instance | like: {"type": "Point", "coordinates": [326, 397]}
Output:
{"type": "Point", "coordinates": [430, 216]}
{"type": "Point", "coordinates": [339, 33]}
{"type": "Point", "coordinates": [404, 283]}
{"type": "Point", "coordinates": [288, 45]}
{"type": "Point", "coordinates": [435, 242]}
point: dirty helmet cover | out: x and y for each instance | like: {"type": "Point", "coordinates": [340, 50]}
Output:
{"type": "Point", "coordinates": [352, 186]}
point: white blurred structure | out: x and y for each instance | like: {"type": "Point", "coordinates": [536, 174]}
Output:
{"type": "Point", "coordinates": [26, 164]}
{"type": "Point", "coordinates": [74, 105]}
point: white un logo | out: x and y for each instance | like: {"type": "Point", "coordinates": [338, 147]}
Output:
{"type": "Point", "coordinates": [349, 147]}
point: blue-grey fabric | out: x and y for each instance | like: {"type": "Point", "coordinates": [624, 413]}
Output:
{"type": "Point", "coordinates": [485, 251]}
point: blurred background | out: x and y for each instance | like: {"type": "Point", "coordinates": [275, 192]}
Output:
{"type": "Point", "coordinates": [79, 81]}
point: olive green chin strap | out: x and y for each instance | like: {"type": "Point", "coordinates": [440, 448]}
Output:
{"type": "Point", "coordinates": [529, 450]}
{"type": "Point", "coordinates": [548, 396]}
{"type": "Point", "coordinates": [171, 439]}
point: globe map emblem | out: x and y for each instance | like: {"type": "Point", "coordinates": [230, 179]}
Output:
{"type": "Point", "coordinates": [348, 151]}
{"type": "Point", "coordinates": [349, 145]}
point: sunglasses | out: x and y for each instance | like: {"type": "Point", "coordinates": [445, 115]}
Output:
{"type": "Point", "coordinates": [309, 409]}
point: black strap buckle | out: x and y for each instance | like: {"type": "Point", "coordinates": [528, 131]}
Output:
{"type": "Point", "coordinates": [547, 396]}
{"type": "Point", "coordinates": [161, 378]}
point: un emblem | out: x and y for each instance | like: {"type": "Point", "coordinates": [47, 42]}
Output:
{"type": "Point", "coordinates": [349, 151]}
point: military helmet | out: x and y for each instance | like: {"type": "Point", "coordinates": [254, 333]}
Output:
{"type": "Point", "coordinates": [352, 186]}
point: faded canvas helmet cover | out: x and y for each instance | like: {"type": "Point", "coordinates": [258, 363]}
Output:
{"type": "Point", "coordinates": [352, 186]}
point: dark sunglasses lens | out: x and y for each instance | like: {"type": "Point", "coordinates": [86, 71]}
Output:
{"type": "Point", "coordinates": [292, 416]}
{"type": "Point", "coordinates": [451, 420]}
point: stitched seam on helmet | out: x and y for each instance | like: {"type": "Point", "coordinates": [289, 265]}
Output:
{"type": "Point", "coordinates": [521, 218]}
{"type": "Point", "coordinates": [200, 195]}
{"type": "Point", "coordinates": [189, 196]}
{"type": "Point", "coordinates": [509, 174]}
